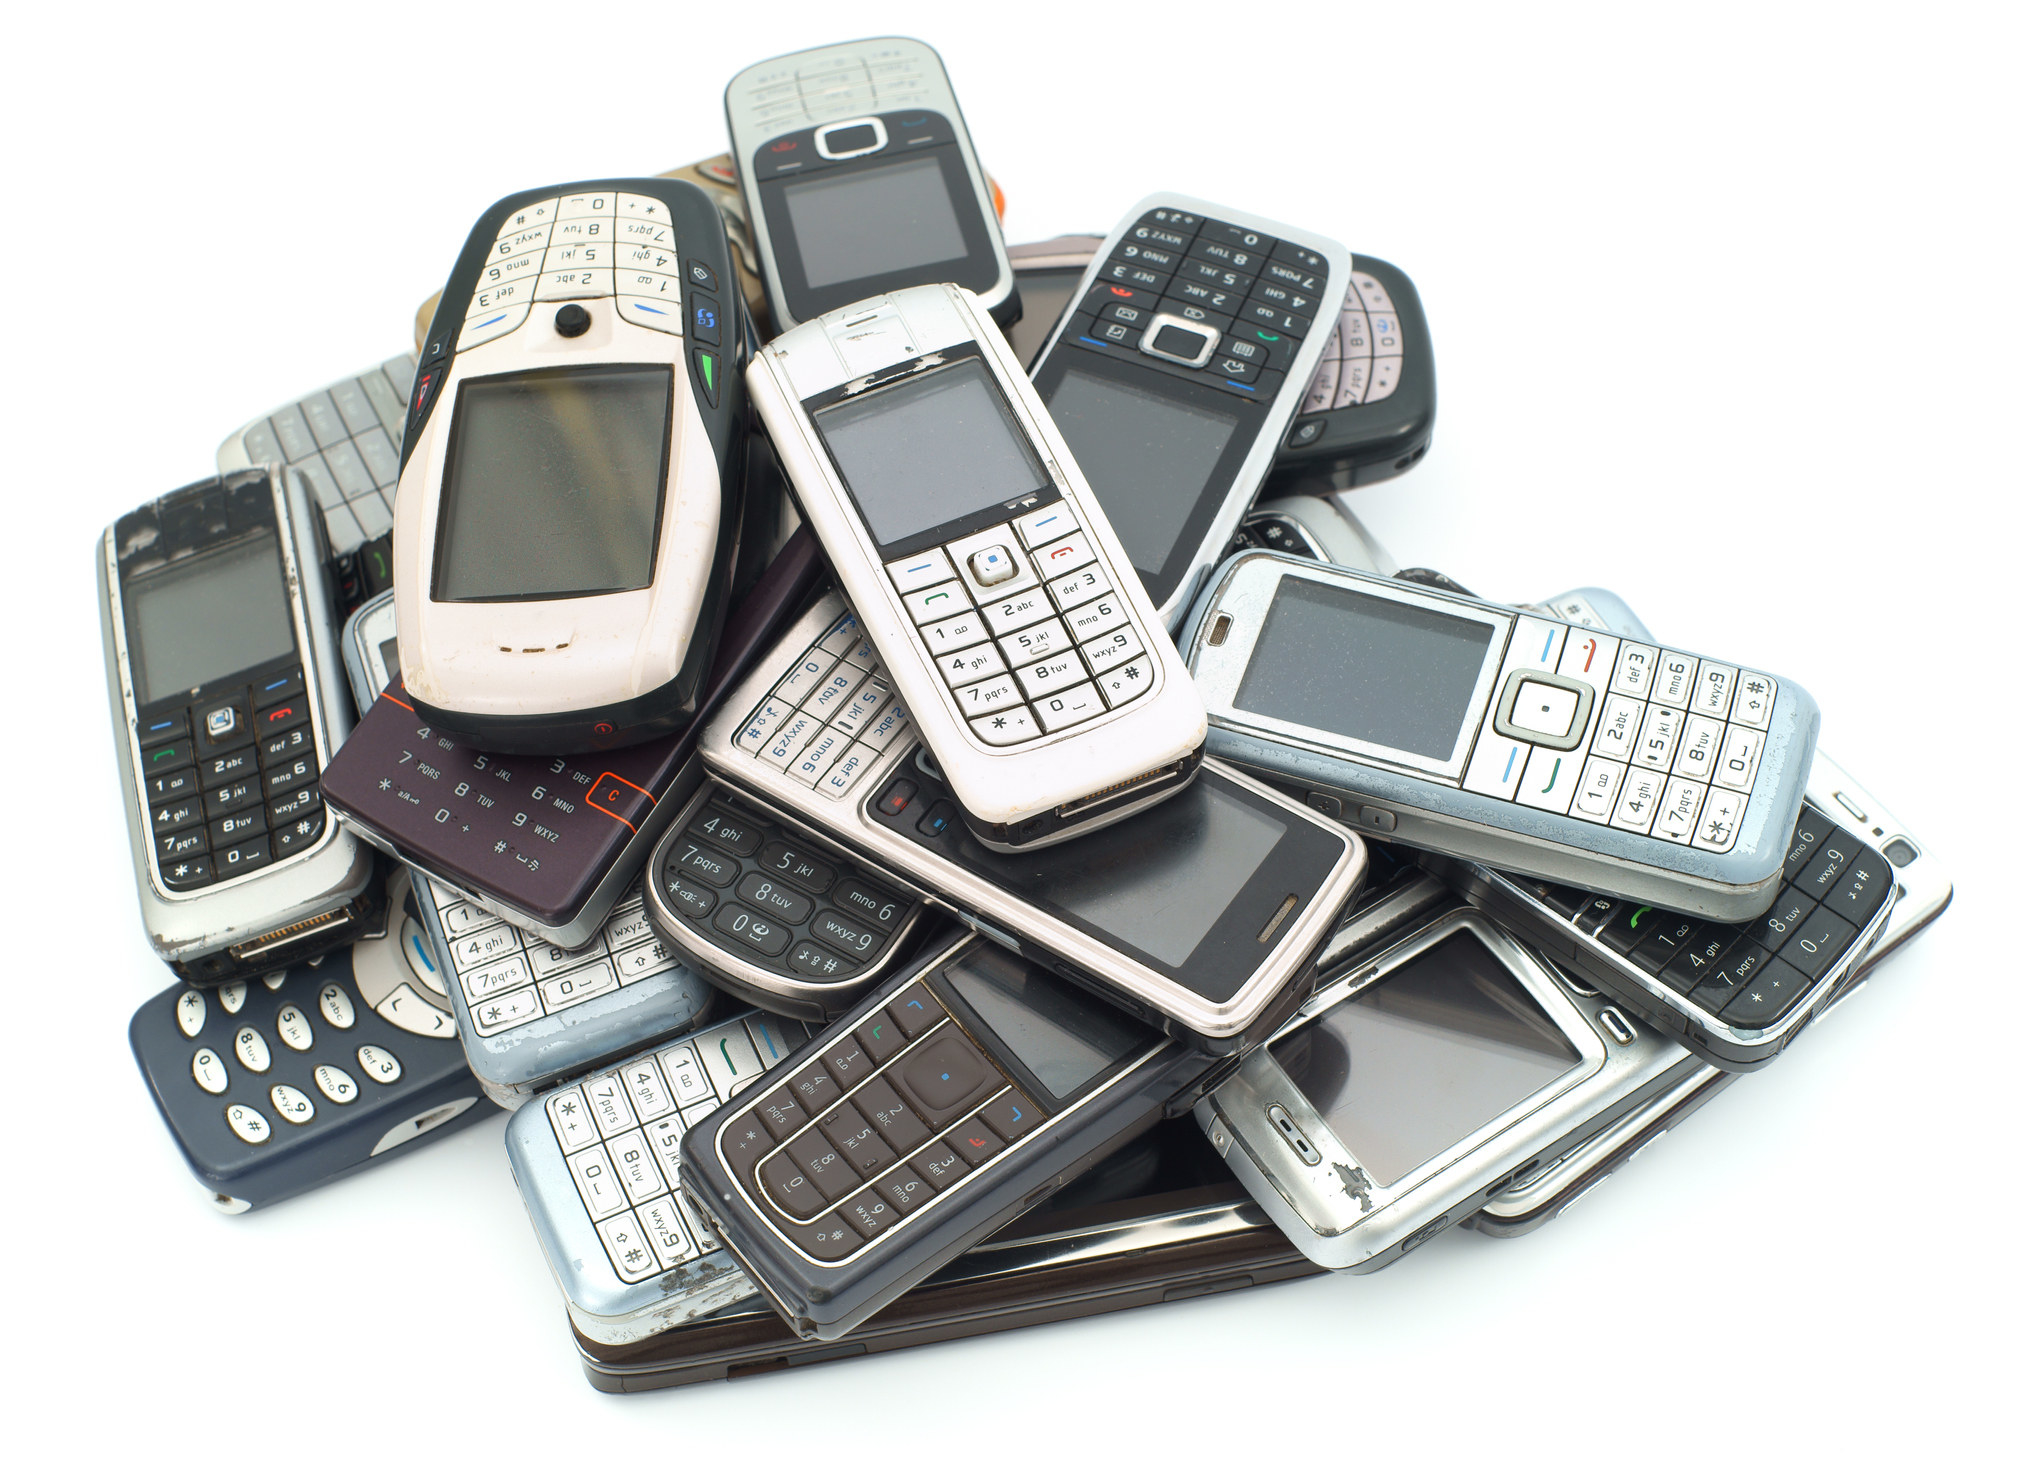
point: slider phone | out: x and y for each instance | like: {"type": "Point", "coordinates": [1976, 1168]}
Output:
{"type": "Point", "coordinates": [275, 1086]}
{"type": "Point", "coordinates": [223, 674]}
{"type": "Point", "coordinates": [918, 1124]}
{"type": "Point", "coordinates": [597, 1165]}
{"type": "Point", "coordinates": [1159, 1219]}
{"type": "Point", "coordinates": [860, 178]}
{"type": "Point", "coordinates": [571, 467]}
{"type": "Point", "coordinates": [546, 843]}
{"type": "Point", "coordinates": [986, 578]}
{"type": "Point", "coordinates": [1417, 1082]}
{"type": "Point", "coordinates": [1177, 372]}
{"type": "Point", "coordinates": [1203, 914]}
{"type": "Point", "coordinates": [1922, 892]}
{"type": "Point", "coordinates": [1487, 734]}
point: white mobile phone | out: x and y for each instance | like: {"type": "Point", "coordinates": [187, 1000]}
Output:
{"type": "Point", "coordinates": [987, 579]}
{"type": "Point", "coordinates": [860, 178]}
{"type": "Point", "coordinates": [569, 499]}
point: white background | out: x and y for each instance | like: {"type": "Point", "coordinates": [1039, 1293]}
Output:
{"type": "Point", "coordinates": [1732, 311]}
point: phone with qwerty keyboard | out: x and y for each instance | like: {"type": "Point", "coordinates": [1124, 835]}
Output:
{"type": "Point", "coordinates": [274, 1086]}
{"type": "Point", "coordinates": [529, 1011]}
{"type": "Point", "coordinates": [597, 1164]}
{"type": "Point", "coordinates": [770, 917]}
{"type": "Point", "coordinates": [1175, 376]}
{"type": "Point", "coordinates": [228, 702]}
{"type": "Point", "coordinates": [919, 1123]}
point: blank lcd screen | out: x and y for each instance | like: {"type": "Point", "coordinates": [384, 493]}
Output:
{"type": "Point", "coordinates": [554, 485]}
{"type": "Point", "coordinates": [929, 449]}
{"type": "Point", "coordinates": [1371, 669]}
{"type": "Point", "coordinates": [205, 618]}
{"type": "Point", "coordinates": [848, 225]}
{"type": "Point", "coordinates": [1064, 1036]}
{"type": "Point", "coordinates": [1425, 1057]}
{"type": "Point", "coordinates": [1146, 456]}
{"type": "Point", "coordinates": [1159, 883]}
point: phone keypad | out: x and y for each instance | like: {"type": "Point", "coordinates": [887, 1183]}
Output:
{"type": "Point", "coordinates": [820, 87]}
{"type": "Point", "coordinates": [620, 1134]}
{"type": "Point", "coordinates": [1623, 734]}
{"type": "Point", "coordinates": [1222, 304]}
{"type": "Point", "coordinates": [1012, 617]}
{"type": "Point", "coordinates": [1748, 976]}
{"type": "Point", "coordinates": [581, 246]}
{"type": "Point", "coordinates": [1361, 363]}
{"type": "Point", "coordinates": [831, 716]}
{"type": "Point", "coordinates": [232, 781]}
{"type": "Point", "coordinates": [743, 885]}
{"type": "Point", "coordinates": [888, 1116]}
{"type": "Point", "coordinates": [508, 977]}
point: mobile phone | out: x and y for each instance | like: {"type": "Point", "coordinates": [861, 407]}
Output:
{"type": "Point", "coordinates": [1319, 527]}
{"type": "Point", "coordinates": [597, 1162]}
{"type": "Point", "coordinates": [1175, 376]}
{"type": "Point", "coordinates": [1202, 914]}
{"type": "Point", "coordinates": [549, 844]}
{"type": "Point", "coordinates": [860, 178]}
{"type": "Point", "coordinates": [985, 575]}
{"type": "Point", "coordinates": [578, 378]}
{"type": "Point", "coordinates": [1488, 734]}
{"type": "Point", "coordinates": [1922, 893]}
{"type": "Point", "coordinates": [1160, 1219]}
{"type": "Point", "coordinates": [222, 672]}
{"type": "Point", "coordinates": [919, 1123]}
{"type": "Point", "coordinates": [1411, 1087]}
{"type": "Point", "coordinates": [799, 933]}
{"type": "Point", "coordinates": [528, 1011]}
{"type": "Point", "coordinates": [276, 1086]}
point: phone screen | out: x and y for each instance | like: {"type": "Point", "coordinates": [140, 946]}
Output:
{"type": "Point", "coordinates": [1425, 1057]}
{"type": "Point", "coordinates": [554, 484]}
{"type": "Point", "coordinates": [1066, 1038]}
{"type": "Point", "coordinates": [203, 618]}
{"type": "Point", "coordinates": [1372, 669]}
{"type": "Point", "coordinates": [929, 449]}
{"type": "Point", "coordinates": [848, 225]}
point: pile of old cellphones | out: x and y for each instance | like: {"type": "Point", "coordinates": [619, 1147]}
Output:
{"type": "Point", "coordinates": [889, 754]}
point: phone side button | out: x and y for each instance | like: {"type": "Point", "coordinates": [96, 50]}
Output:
{"type": "Point", "coordinates": [1615, 1024]}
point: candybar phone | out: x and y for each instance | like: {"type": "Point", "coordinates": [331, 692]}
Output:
{"type": "Point", "coordinates": [1922, 893]}
{"type": "Point", "coordinates": [1404, 1091]}
{"type": "Point", "coordinates": [344, 440]}
{"type": "Point", "coordinates": [1159, 1219]}
{"type": "Point", "coordinates": [1202, 914]}
{"type": "Point", "coordinates": [569, 500]}
{"type": "Point", "coordinates": [279, 1085]}
{"type": "Point", "coordinates": [988, 582]}
{"type": "Point", "coordinates": [1488, 734]}
{"type": "Point", "coordinates": [597, 1165]}
{"type": "Point", "coordinates": [921, 1122]}
{"type": "Point", "coordinates": [223, 674]}
{"type": "Point", "coordinates": [1177, 372]}
{"type": "Point", "coordinates": [528, 1011]}
{"type": "Point", "coordinates": [860, 178]}
{"type": "Point", "coordinates": [546, 843]}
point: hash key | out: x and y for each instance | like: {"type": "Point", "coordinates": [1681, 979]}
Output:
{"type": "Point", "coordinates": [1858, 895]}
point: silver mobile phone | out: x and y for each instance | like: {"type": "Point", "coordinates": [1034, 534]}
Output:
{"type": "Point", "coordinates": [223, 674]}
{"type": "Point", "coordinates": [529, 1012]}
{"type": "Point", "coordinates": [985, 575]}
{"type": "Point", "coordinates": [1176, 374]}
{"type": "Point", "coordinates": [1492, 735]}
{"type": "Point", "coordinates": [1923, 891]}
{"type": "Point", "coordinates": [1202, 915]}
{"type": "Point", "coordinates": [1400, 1093]}
{"type": "Point", "coordinates": [597, 1165]}
{"type": "Point", "coordinates": [860, 177]}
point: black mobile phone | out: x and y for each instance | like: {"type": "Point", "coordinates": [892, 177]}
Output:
{"type": "Point", "coordinates": [921, 1122]}
{"type": "Point", "coordinates": [223, 672]}
{"type": "Point", "coordinates": [1157, 1220]}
